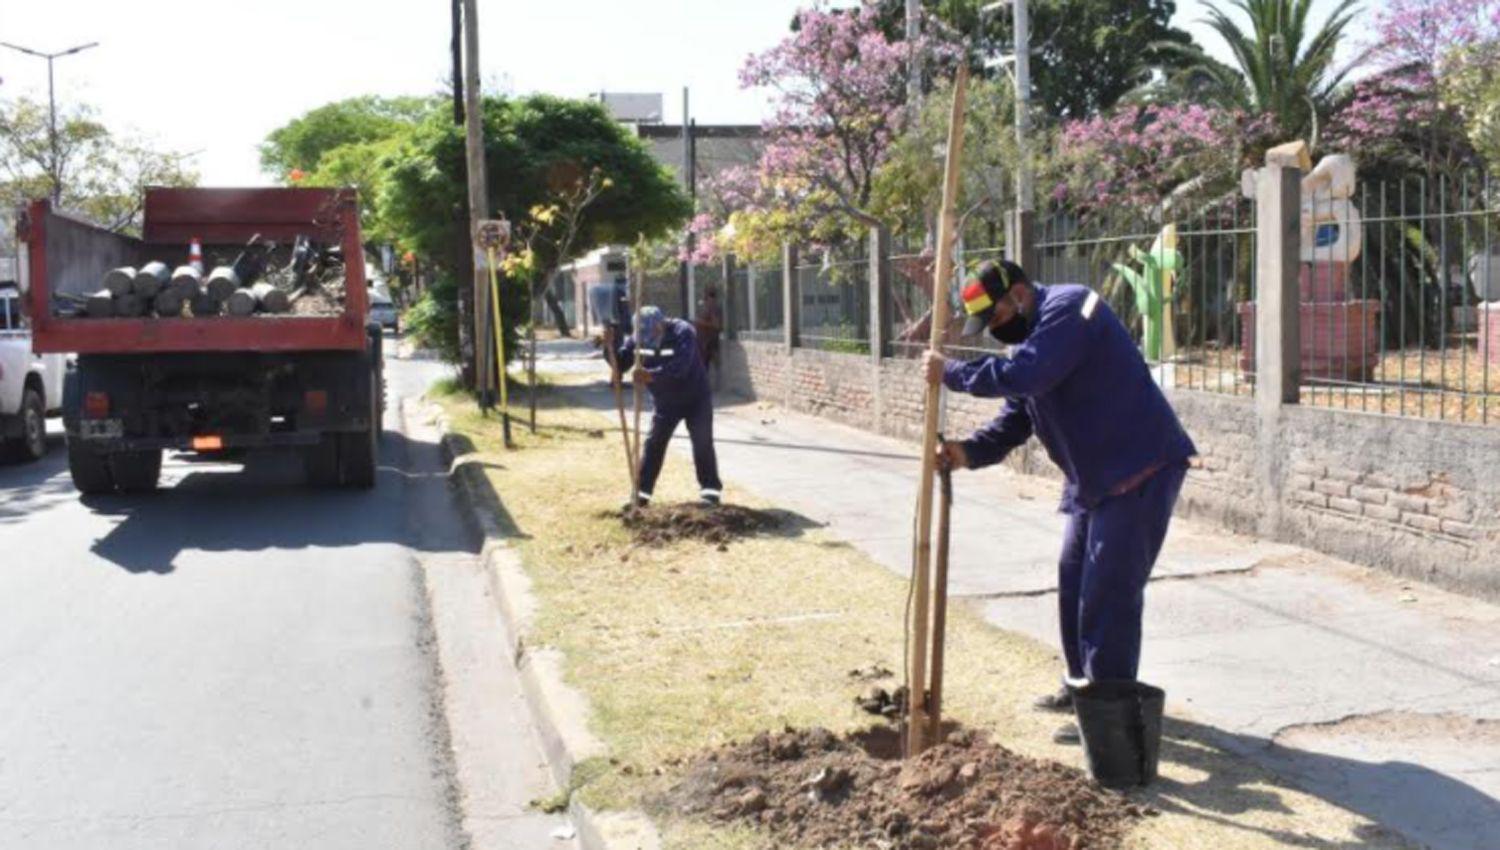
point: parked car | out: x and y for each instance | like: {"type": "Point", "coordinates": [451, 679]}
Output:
{"type": "Point", "coordinates": [30, 384]}
{"type": "Point", "coordinates": [383, 311]}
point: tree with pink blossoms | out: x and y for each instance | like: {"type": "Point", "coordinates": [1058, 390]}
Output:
{"type": "Point", "coordinates": [838, 94]}
{"type": "Point", "coordinates": [1138, 159]}
{"type": "Point", "coordinates": [1413, 113]}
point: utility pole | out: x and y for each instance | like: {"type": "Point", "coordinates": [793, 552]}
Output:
{"type": "Point", "coordinates": [1025, 199]}
{"type": "Point", "coordinates": [913, 59]}
{"type": "Point", "coordinates": [55, 165]}
{"type": "Point", "coordinates": [478, 196]}
{"type": "Point", "coordinates": [1021, 221]}
{"type": "Point", "coordinates": [689, 185]}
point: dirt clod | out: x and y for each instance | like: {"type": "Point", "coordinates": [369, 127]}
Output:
{"type": "Point", "coordinates": [660, 525]}
{"type": "Point", "coordinates": [812, 789]}
{"type": "Point", "coordinates": [878, 700]}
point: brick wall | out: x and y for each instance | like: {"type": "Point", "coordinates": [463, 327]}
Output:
{"type": "Point", "coordinates": [1417, 498]}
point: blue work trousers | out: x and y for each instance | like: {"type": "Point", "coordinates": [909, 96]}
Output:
{"type": "Point", "coordinates": [699, 415]}
{"type": "Point", "coordinates": [1108, 552]}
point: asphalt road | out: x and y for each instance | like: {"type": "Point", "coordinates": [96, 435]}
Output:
{"type": "Point", "coordinates": [238, 661]}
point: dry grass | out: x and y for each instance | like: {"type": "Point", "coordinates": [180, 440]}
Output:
{"type": "Point", "coordinates": [1452, 385]}
{"type": "Point", "coordinates": [685, 647]}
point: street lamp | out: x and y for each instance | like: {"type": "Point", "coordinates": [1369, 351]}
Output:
{"type": "Point", "coordinates": [51, 101]}
{"type": "Point", "coordinates": [1022, 58]}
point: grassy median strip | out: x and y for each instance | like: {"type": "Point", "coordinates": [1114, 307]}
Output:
{"type": "Point", "coordinates": [691, 645]}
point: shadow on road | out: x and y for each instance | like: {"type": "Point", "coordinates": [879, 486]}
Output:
{"type": "Point", "coordinates": [1416, 801]}
{"type": "Point", "coordinates": [29, 487]}
{"type": "Point", "coordinates": [263, 506]}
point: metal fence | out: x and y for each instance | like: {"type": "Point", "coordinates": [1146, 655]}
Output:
{"type": "Point", "coordinates": [1397, 301]}
{"type": "Point", "coordinates": [1181, 282]}
{"type": "Point", "coordinates": [763, 318]}
{"type": "Point", "coordinates": [834, 295]}
{"type": "Point", "coordinates": [1399, 295]}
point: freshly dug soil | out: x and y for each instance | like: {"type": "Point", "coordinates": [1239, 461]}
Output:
{"type": "Point", "coordinates": [660, 525]}
{"type": "Point", "coordinates": [812, 789]}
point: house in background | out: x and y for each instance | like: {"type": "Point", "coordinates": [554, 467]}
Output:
{"type": "Point", "coordinates": [711, 148]}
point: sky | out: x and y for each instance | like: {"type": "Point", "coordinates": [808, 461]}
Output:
{"type": "Point", "coordinates": [213, 77]}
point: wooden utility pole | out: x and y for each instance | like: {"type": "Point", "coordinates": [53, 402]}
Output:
{"type": "Point", "coordinates": [479, 203]}
{"type": "Point", "coordinates": [917, 723]}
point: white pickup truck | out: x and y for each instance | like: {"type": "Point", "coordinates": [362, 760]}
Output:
{"type": "Point", "coordinates": [30, 384]}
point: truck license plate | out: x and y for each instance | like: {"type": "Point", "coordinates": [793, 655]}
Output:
{"type": "Point", "coordinates": [101, 429]}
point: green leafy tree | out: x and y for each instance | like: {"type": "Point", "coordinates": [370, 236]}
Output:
{"type": "Point", "coordinates": [1282, 66]}
{"type": "Point", "coordinates": [1087, 54]}
{"type": "Point", "coordinates": [904, 193]}
{"type": "Point", "coordinates": [538, 150]}
{"type": "Point", "coordinates": [301, 144]}
{"type": "Point", "coordinates": [96, 172]}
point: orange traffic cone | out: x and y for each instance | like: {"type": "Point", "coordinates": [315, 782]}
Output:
{"type": "Point", "coordinates": [195, 254]}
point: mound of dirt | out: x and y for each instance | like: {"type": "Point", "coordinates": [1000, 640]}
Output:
{"type": "Point", "coordinates": [660, 525]}
{"type": "Point", "coordinates": [812, 789]}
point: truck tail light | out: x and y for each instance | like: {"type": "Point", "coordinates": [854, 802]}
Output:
{"type": "Point", "coordinates": [209, 443]}
{"type": "Point", "coordinates": [96, 405]}
{"type": "Point", "coordinates": [315, 402]}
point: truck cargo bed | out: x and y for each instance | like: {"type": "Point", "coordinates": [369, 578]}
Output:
{"type": "Point", "coordinates": [65, 257]}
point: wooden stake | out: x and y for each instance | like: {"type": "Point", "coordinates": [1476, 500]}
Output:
{"type": "Point", "coordinates": [635, 453]}
{"type": "Point", "coordinates": [917, 725]}
{"type": "Point", "coordinates": [939, 607]}
{"type": "Point", "coordinates": [616, 377]}
{"type": "Point", "coordinates": [501, 374]}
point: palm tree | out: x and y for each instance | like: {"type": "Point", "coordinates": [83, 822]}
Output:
{"type": "Point", "coordinates": [1284, 70]}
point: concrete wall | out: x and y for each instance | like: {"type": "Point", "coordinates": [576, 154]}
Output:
{"type": "Point", "coordinates": [1417, 498]}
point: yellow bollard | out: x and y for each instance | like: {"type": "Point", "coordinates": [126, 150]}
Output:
{"type": "Point", "coordinates": [500, 371]}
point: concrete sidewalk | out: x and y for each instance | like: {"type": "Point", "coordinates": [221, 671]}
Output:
{"type": "Point", "coordinates": [1379, 695]}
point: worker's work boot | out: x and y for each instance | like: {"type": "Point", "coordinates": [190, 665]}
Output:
{"type": "Point", "coordinates": [1067, 735]}
{"type": "Point", "coordinates": [1058, 702]}
{"type": "Point", "coordinates": [709, 498]}
{"type": "Point", "coordinates": [1120, 722]}
{"type": "Point", "coordinates": [640, 501]}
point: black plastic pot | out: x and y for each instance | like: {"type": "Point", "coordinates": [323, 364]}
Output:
{"type": "Point", "coordinates": [1120, 722]}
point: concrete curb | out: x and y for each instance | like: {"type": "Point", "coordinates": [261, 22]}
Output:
{"type": "Point", "coordinates": [560, 712]}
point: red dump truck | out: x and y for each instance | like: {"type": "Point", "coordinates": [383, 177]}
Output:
{"type": "Point", "coordinates": [308, 381]}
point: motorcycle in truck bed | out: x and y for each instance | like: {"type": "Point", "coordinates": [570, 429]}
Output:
{"type": "Point", "coordinates": [263, 342]}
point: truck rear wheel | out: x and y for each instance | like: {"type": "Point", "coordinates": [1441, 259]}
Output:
{"type": "Point", "coordinates": [138, 471]}
{"type": "Point", "coordinates": [321, 462]}
{"type": "Point", "coordinates": [90, 470]}
{"type": "Point", "coordinates": [357, 459]}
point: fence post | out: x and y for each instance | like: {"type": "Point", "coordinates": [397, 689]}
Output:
{"type": "Point", "coordinates": [1278, 355]}
{"type": "Point", "coordinates": [751, 323]}
{"type": "Point", "coordinates": [1020, 240]}
{"type": "Point", "coordinates": [791, 297]}
{"type": "Point", "coordinates": [731, 298]}
{"type": "Point", "coordinates": [1278, 349]}
{"type": "Point", "coordinates": [880, 293]}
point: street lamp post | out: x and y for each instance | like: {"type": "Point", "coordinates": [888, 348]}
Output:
{"type": "Point", "coordinates": [51, 103]}
{"type": "Point", "coordinates": [1020, 238]}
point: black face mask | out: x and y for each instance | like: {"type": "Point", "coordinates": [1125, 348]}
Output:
{"type": "Point", "coordinates": [1013, 332]}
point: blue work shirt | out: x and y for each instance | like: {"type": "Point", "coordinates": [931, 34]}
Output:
{"type": "Point", "coordinates": [1080, 384]}
{"type": "Point", "coordinates": [678, 378]}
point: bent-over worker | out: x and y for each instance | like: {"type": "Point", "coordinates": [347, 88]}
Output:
{"type": "Point", "coordinates": [1076, 380]}
{"type": "Point", "coordinates": [672, 370]}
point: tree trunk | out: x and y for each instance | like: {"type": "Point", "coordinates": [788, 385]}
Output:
{"type": "Point", "coordinates": [558, 315]}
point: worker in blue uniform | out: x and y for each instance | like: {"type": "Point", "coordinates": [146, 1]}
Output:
{"type": "Point", "coordinates": [673, 371]}
{"type": "Point", "coordinates": [1075, 379]}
